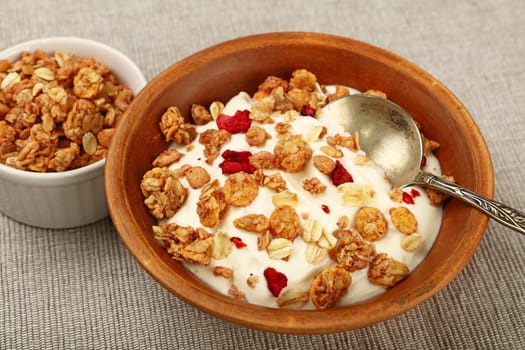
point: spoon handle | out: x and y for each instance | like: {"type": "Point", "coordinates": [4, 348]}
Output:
{"type": "Point", "coordinates": [505, 215]}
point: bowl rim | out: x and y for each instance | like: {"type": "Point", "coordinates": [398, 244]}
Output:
{"type": "Point", "coordinates": [89, 171]}
{"type": "Point", "coordinates": [292, 321]}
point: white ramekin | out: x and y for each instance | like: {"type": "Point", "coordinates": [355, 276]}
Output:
{"type": "Point", "coordinates": [74, 197]}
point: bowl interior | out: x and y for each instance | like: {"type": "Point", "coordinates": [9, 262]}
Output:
{"type": "Point", "coordinates": [220, 72]}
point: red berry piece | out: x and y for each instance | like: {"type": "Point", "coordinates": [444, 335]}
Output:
{"type": "Point", "coordinates": [307, 110]}
{"type": "Point", "coordinates": [407, 198]}
{"type": "Point", "coordinates": [340, 175]}
{"type": "Point", "coordinates": [238, 242]}
{"type": "Point", "coordinates": [238, 123]}
{"type": "Point", "coordinates": [275, 280]}
{"type": "Point", "coordinates": [415, 193]}
{"type": "Point", "coordinates": [236, 161]}
{"type": "Point", "coordinates": [423, 162]}
{"type": "Point", "coordinates": [325, 208]}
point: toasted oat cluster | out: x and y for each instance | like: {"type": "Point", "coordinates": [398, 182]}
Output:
{"type": "Point", "coordinates": [272, 182]}
{"type": "Point", "coordinates": [57, 112]}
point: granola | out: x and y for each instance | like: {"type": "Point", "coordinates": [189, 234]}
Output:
{"type": "Point", "coordinates": [324, 164]}
{"type": "Point", "coordinates": [212, 204]}
{"type": "Point", "coordinates": [174, 127]}
{"type": "Point", "coordinates": [167, 157]}
{"type": "Point", "coordinates": [274, 181]}
{"type": "Point", "coordinates": [403, 220]}
{"type": "Point", "coordinates": [256, 136]}
{"type": "Point", "coordinates": [197, 176]}
{"type": "Point", "coordinates": [314, 185]}
{"type": "Point", "coordinates": [213, 140]}
{"type": "Point", "coordinates": [57, 111]}
{"type": "Point", "coordinates": [240, 189]}
{"type": "Point", "coordinates": [185, 243]}
{"type": "Point", "coordinates": [292, 154]}
{"type": "Point", "coordinates": [386, 271]}
{"type": "Point", "coordinates": [200, 115]}
{"type": "Point", "coordinates": [352, 252]}
{"type": "Point", "coordinates": [263, 160]}
{"type": "Point", "coordinates": [163, 192]}
{"type": "Point", "coordinates": [223, 271]}
{"type": "Point", "coordinates": [329, 287]}
{"type": "Point", "coordinates": [252, 222]}
{"type": "Point", "coordinates": [371, 223]}
{"type": "Point", "coordinates": [285, 222]}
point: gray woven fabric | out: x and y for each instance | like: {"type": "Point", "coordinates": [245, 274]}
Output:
{"type": "Point", "coordinates": [81, 289]}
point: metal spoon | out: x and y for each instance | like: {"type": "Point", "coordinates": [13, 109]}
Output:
{"type": "Point", "coordinates": [391, 138]}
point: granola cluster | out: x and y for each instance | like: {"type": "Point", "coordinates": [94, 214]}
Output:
{"type": "Point", "coordinates": [253, 154]}
{"type": "Point", "coordinates": [57, 112]}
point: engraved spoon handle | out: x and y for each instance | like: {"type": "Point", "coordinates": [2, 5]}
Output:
{"type": "Point", "coordinates": [505, 215]}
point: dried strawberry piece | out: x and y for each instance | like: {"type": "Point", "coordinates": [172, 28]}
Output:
{"type": "Point", "coordinates": [238, 123]}
{"type": "Point", "coordinates": [238, 242]}
{"type": "Point", "coordinates": [340, 175]}
{"type": "Point", "coordinates": [275, 280]}
{"type": "Point", "coordinates": [414, 193]}
{"type": "Point", "coordinates": [407, 198]}
{"type": "Point", "coordinates": [236, 161]}
{"type": "Point", "coordinates": [307, 110]}
{"type": "Point", "coordinates": [325, 208]}
{"type": "Point", "coordinates": [230, 154]}
{"type": "Point", "coordinates": [423, 162]}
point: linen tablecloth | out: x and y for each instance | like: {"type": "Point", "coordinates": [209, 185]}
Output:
{"type": "Point", "coordinates": [81, 289]}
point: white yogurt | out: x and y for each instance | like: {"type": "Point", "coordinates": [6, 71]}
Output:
{"type": "Point", "coordinates": [249, 261]}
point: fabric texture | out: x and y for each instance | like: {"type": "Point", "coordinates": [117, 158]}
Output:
{"type": "Point", "coordinates": [81, 289]}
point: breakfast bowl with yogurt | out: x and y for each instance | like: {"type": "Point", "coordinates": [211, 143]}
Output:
{"type": "Point", "coordinates": [236, 189]}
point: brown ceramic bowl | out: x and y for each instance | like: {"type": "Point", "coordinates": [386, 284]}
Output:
{"type": "Point", "coordinates": [221, 71]}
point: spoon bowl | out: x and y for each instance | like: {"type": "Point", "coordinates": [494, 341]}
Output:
{"type": "Point", "coordinates": [391, 138]}
{"type": "Point", "coordinates": [387, 134]}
